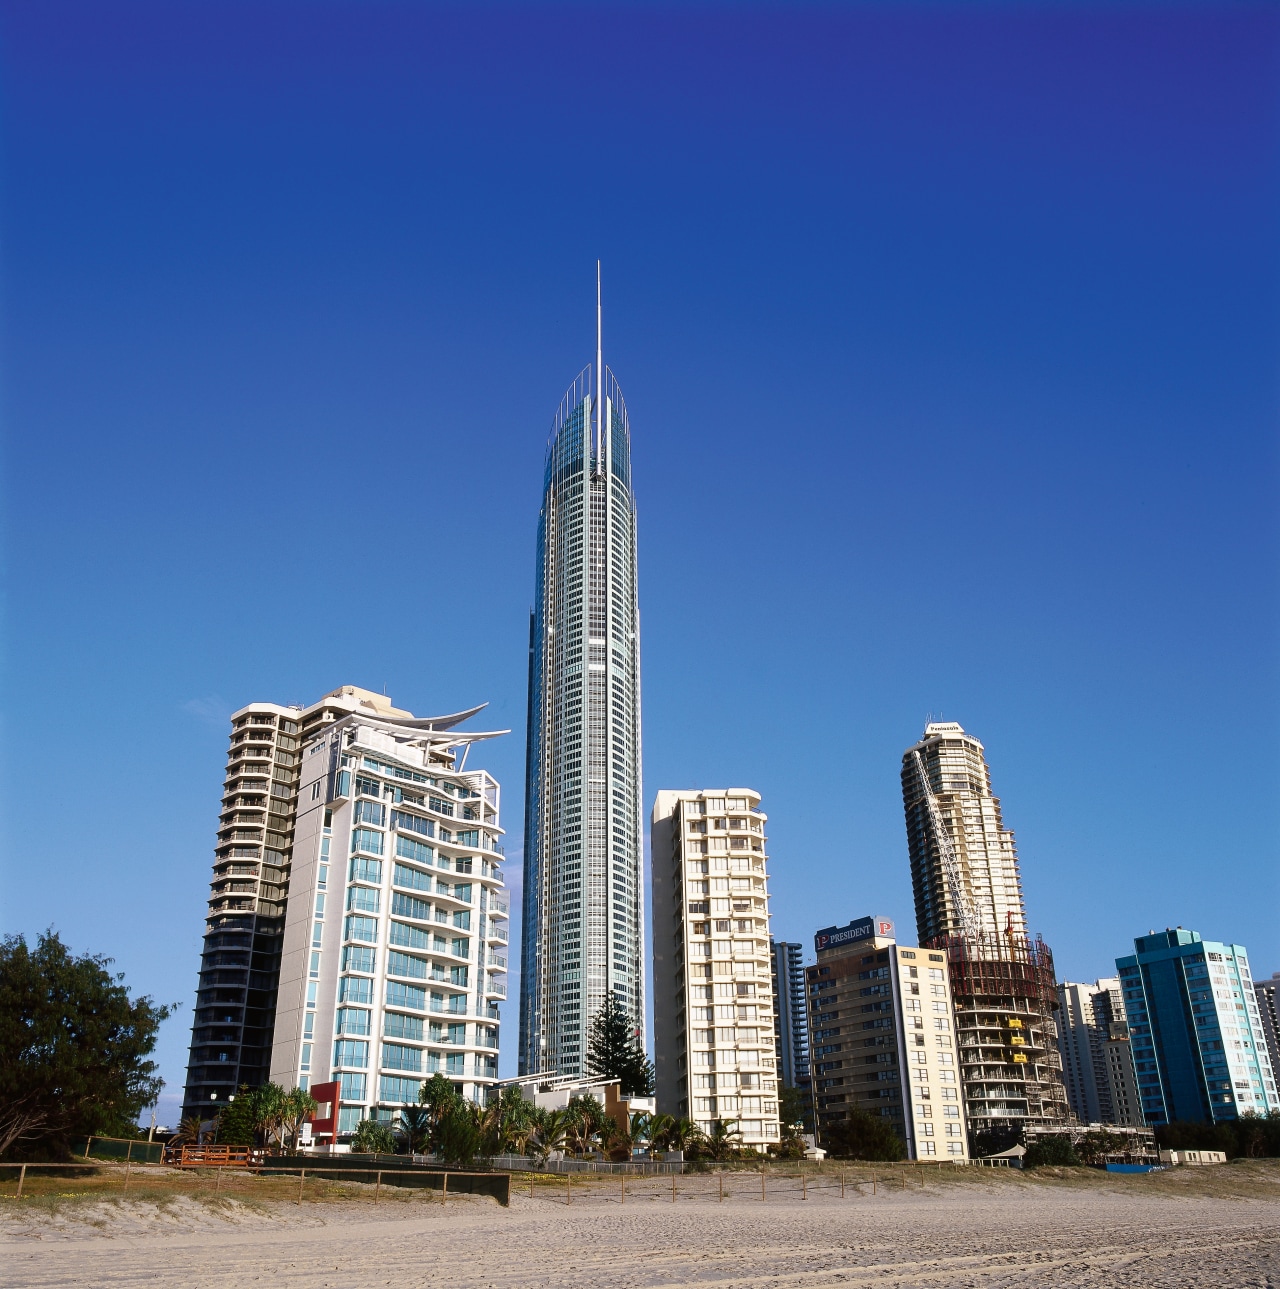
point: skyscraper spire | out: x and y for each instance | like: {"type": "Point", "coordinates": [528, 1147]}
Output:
{"type": "Point", "coordinates": [599, 377]}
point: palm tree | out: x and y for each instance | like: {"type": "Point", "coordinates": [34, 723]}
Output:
{"type": "Point", "coordinates": [724, 1139]}
{"type": "Point", "coordinates": [269, 1111]}
{"type": "Point", "coordinates": [372, 1138]}
{"type": "Point", "coordinates": [188, 1133]}
{"type": "Point", "coordinates": [641, 1127]}
{"type": "Point", "coordinates": [659, 1128]}
{"type": "Point", "coordinates": [415, 1123]}
{"type": "Point", "coordinates": [551, 1133]}
{"type": "Point", "coordinates": [677, 1134]}
{"type": "Point", "coordinates": [586, 1118]}
{"type": "Point", "coordinates": [294, 1108]}
{"type": "Point", "coordinates": [615, 1140]}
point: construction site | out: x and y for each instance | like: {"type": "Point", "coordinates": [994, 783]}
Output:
{"type": "Point", "coordinates": [1004, 993]}
{"type": "Point", "coordinates": [969, 905]}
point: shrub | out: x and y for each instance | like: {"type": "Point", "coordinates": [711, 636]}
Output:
{"type": "Point", "coordinates": [373, 1138]}
{"type": "Point", "coordinates": [864, 1136]}
{"type": "Point", "coordinates": [1052, 1151]}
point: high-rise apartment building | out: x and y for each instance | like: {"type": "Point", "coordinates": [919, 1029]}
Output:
{"type": "Point", "coordinates": [790, 1021]}
{"type": "Point", "coordinates": [394, 960]}
{"type": "Point", "coordinates": [234, 1015]}
{"type": "Point", "coordinates": [712, 986]}
{"type": "Point", "coordinates": [968, 896]}
{"type": "Point", "coordinates": [583, 913]}
{"type": "Point", "coordinates": [882, 1035]}
{"type": "Point", "coordinates": [240, 965]}
{"type": "Point", "coordinates": [1097, 1061]}
{"type": "Point", "coordinates": [1265, 992]}
{"type": "Point", "coordinates": [1199, 1046]}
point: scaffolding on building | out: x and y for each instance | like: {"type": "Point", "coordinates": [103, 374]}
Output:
{"type": "Point", "coordinates": [1005, 993]}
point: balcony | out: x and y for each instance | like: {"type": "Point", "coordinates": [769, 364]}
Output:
{"type": "Point", "coordinates": [494, 990]}
{"type": "Point", "coordinates": [497, 960]}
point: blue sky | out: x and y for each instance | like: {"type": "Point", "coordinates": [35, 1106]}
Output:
{"type": "Point", "coordinates": [949, 340]}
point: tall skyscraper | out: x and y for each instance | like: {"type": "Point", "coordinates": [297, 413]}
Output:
{"type": "Point", "coordinates": [790, 1022]}
{"type": "Point", "coordinates": [583, 910]}
{"type": "Point", "coordinates": [1199, 1044]}
{"type": "Point", "coordinates": [712, 991]}
{"type": "Point", "coordinates": [968, 895]}
{"type": "Point", "coordinates": [1097, 1062]}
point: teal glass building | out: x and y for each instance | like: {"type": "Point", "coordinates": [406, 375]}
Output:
{"type": "Point", "coordinates": [1199, 1050]}
{"type": "Point", "coordinates": [583, 908]}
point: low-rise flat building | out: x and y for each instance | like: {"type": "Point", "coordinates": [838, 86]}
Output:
{"type": "Point", "coordinates": [882, 1037]}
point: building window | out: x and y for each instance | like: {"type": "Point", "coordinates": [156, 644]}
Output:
{"type": "Point", "coordinates": [367, 840]}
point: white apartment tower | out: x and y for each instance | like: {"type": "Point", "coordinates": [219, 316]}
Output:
{"type": "Point", "coordinates": [394, 956]}
{"type": "Point", "coordinates": [1097, 1061]}
{"type": "Point", "coordinates": [955, 768]}
{"type": "Point", "coordinates": [583, 912]}
{"type": "Point", "coordinates": [712, 981]}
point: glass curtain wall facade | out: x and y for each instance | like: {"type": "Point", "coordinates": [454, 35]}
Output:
{"type": "Point", "coordinates": [1199, 1046]}
{"type": "Point", "coordinates": [583, 894]}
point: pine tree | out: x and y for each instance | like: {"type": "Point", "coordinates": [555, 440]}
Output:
{"type": "Point", "coordinates": [614, 1051]}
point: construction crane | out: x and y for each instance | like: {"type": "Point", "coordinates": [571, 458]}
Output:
{"type": "Point", "coordinates": [970, 926]}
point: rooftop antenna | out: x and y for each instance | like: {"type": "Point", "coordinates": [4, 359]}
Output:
{"type": "Point", "coordinates": [599, 376]}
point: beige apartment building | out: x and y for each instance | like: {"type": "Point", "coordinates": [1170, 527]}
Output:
{"type": "Point", "coordinates": [882, 1038]}
{"type": "Point", "coordinates": [713, 991]}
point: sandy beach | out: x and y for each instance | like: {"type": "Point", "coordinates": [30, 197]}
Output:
{"type": "Point", "coordinates": [983, 1232]}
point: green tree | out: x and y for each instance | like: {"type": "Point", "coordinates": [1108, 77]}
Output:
{"type": "Point", "coordinates": [586, 1119]}
{"type": "Point", "coordinates": [863, 1136]}
{"type": "Point", "coordinates": [415, 1124]}
{"type": "Point", "coordinates": [269, 1109]}
{"type": "Point", "coordinates": [372, 1138]}
{"type": "Point", "coordinates": [614, 1051]}
{"type": "Point", "coordinates": [73, 1047]}
{"type": "Point", "coordinates": [550, 1133]}
{"type": "Point", "coordinates": [1258, 1135]}
{"type": "Point", "coordinates": [457, 1134]}
{"type": "Point", "coordinates": [238, 1119]}
{"type": "Point", "coordinates": [674, 1134]}
{"type": "Point", "coordinates": [295, 1106]}
{"type": "Point", "coordinates": [1095, 1146]}
{"type": "Point", "coordinates": [189, 1132]}
{"type": "Point", "coordinates": [508, 1122]}
{"type": "Point", "coordinates": [795, 1108]}
{"type": "Point", "coordinates": [438, 1094]}
{"type": "Point", "coordinates": [1055, 1149]}
{"type": "Point", "coordinates": [723, 1142]}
